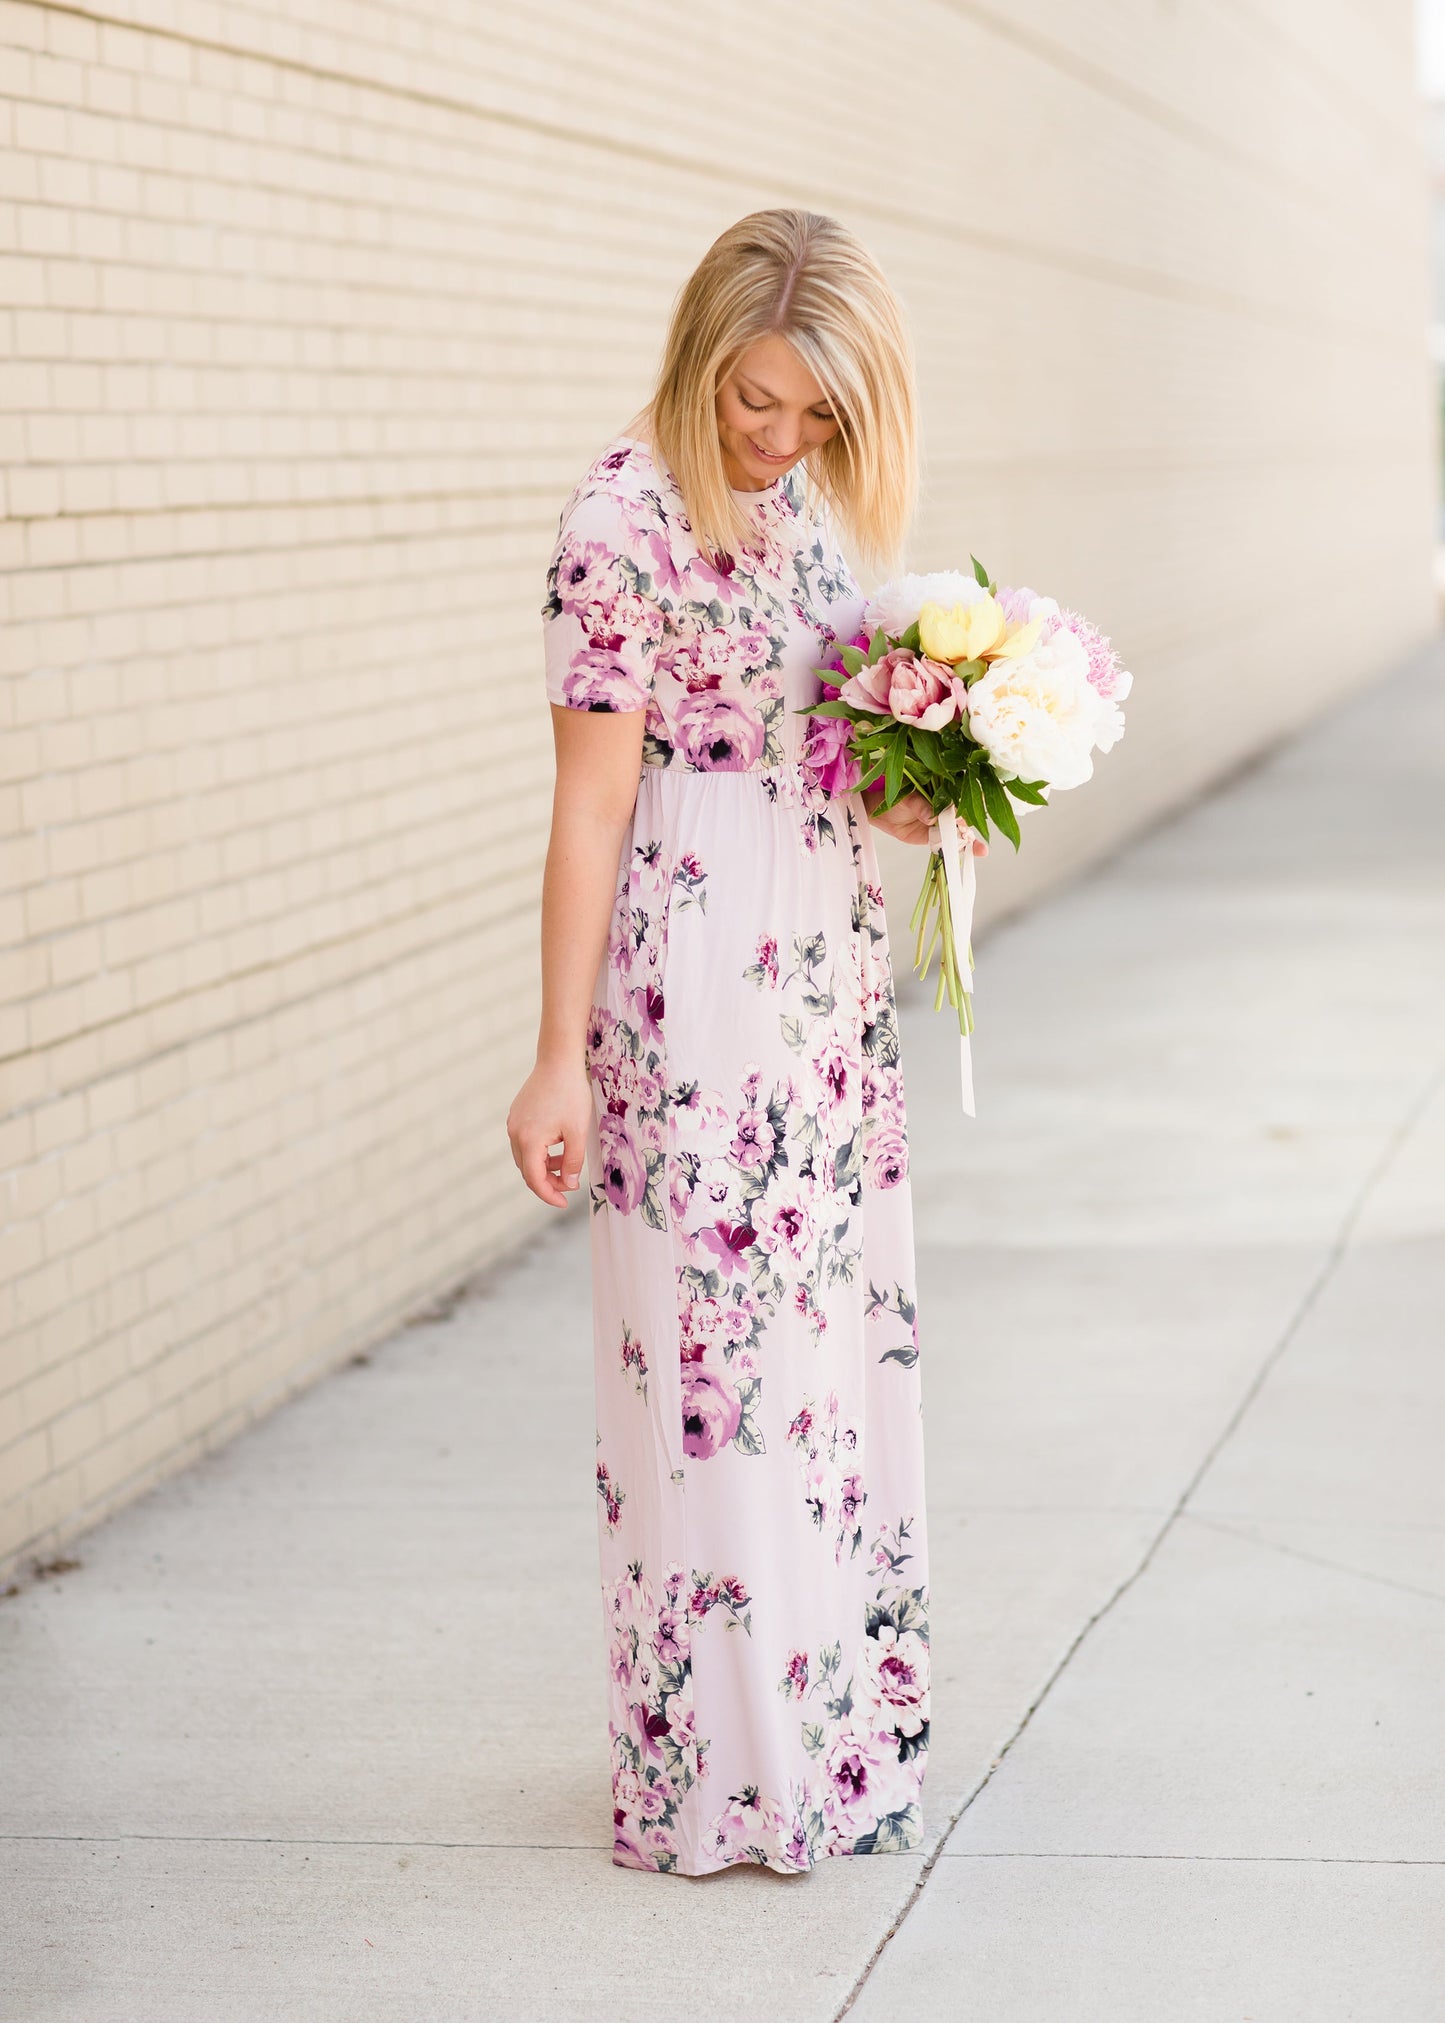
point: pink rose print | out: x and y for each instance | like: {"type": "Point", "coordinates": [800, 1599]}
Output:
{"type": "Point", "coordinates": [728, 1242]}
{"type": "Point", "coordinates": [623, 617]}
{"type": "Point", "coordinates": [711, 1411]}
{"type": "Point", "coordinates": [613, 1498]}
{"type": "Point", "coordinates": [634, 1358]}
{"type": "Point", "coordinates": [764, 966]}
{"type": "Point", "coordinates": [825, 755]}
{"type": "Point", "coordinates": [755, 1140]}
{"type": "Point", "coordinates": [624, 1175]}
{"type": "Point", "coordinates": [786, 1225]}
{"type": "Point", "coordinates": [885, 1161]}
{"type": "Point", "coordinates": [727, 1594]}
{"type": "Point", "coordinates": [897, 1670]}
{"type": "Point", "coordinates": [833, 1490]}
{"type": "Point", "coordinates": [598, 680]}
{"type": "Point", "coordinates": [587, 574]}
{"type": "Point", "coordinates": [718, 733]}
{"type": "Point", "coordinates": [757, 1829]}
{"type": "Point", "coordinates": [857, 1765]}
{"type": "Point", "coordinates": [794, 1682]}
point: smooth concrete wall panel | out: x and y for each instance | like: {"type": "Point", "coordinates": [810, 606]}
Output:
{"type": "Point", "coordinates": [310, 317]}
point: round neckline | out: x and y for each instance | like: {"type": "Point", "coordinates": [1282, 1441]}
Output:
{"type": "Point", "coordinates": [761, 491]}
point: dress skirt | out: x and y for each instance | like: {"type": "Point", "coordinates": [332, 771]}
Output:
{"type": "Point", "coordinates": [759, 1446]}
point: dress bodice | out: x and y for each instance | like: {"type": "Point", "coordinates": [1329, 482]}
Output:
{"type": "Point", "coordinates": [721, 655]}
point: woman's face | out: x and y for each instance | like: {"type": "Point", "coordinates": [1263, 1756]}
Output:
{"type": "Point", "coordinates": [770, 412]}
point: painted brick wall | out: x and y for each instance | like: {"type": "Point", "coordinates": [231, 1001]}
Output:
{"type": "Point", "coordinates": [311, 314]}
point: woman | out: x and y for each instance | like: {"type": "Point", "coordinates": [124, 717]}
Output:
{"type": "Point", "coordinates": [718, 1034]}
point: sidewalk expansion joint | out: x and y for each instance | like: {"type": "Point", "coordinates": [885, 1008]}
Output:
{"type": "Point", "coordinates": [1403, 1587]}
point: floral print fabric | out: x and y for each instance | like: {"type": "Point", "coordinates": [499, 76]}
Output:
{"type": "Point", "coordinates": [759, 1448]}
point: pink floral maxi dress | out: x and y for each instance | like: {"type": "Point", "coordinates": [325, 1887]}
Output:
{"type": "Point", "coordinates": [759, 1448]}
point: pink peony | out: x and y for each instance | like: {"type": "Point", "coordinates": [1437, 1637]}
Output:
{"type": "Point", "coordinates": [907, 686]}
{"type": "Point", "coordinates": [835, 665]}
{"type": "Point", "coordinates": [1107, 673]}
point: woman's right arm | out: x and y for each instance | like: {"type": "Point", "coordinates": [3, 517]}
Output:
{"type": "Point", "coordinates": [599, 757]}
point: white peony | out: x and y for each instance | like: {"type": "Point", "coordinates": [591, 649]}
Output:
{"type": "Point", "coordinates": [1038, 717]}
{"type": "Point", "coordinates": [897, 604]}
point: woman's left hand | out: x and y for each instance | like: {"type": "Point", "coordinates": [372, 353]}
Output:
{"type": "Point", "coordinates": [910, 820]}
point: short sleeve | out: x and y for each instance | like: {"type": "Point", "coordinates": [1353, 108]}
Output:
{"type": "Point", "coordinates": [602, 623]}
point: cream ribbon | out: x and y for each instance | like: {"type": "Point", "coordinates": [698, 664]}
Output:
{"type": "Point", "coordinates": [962, 882]}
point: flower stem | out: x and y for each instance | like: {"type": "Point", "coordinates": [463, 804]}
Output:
{"type": "Point", "coordinates": [950, 953]}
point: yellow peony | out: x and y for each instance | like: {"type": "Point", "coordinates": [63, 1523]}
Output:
{"type": "Point", "coordinates": [1018, 641]}
{"type": "Point", "coordinates": [964, 633]}
{"type": "Point", "coordinates": [977, 631]}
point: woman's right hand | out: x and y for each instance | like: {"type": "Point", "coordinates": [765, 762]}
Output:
{"type": "Point", "coordinates": [599, 759]}
{"type": "Point", "coordinates": [553, 1107]}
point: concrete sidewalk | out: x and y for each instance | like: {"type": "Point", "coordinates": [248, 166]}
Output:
{"type": "Point", "coordinates": [316, 1731]}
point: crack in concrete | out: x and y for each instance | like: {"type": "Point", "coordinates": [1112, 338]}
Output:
{"type": "Point", "coordinates": [1333, 1258]}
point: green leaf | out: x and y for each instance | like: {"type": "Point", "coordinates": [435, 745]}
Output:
{"type": "Point", "coordinates": [998, 804]}
{"type": "Point", "coordinates": [833, 707]}
{"type": "Point", "coordinates": [894, 1833]}
{"type": "Point", "coordinates": [910, 638]}
{"type": "Point", "coordinates": [908, 1357]}
{"type": "Point", "coordinates": [973, 808]}
{"type": "Point", "coordinates": [851, 658]}
{"type": "Point", "coordinates": [980, 573]}
{"type": "Point", "coordinates": [877, 646]}
{"type": "Point", "coordinates": [970, 670]}
{"type": "Point", "coordinates": [893, 770]}
{"type": "Point", "coordinates": [1028, 790]}
{"type": "Point", "coordinates": [747, 1439]}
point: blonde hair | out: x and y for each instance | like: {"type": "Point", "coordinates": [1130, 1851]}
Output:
{"type": "Point", "coordinates": [805, 278]}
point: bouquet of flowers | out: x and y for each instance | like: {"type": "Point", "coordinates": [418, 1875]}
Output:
{"type": "Point", "coordinates": [973, 697]}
